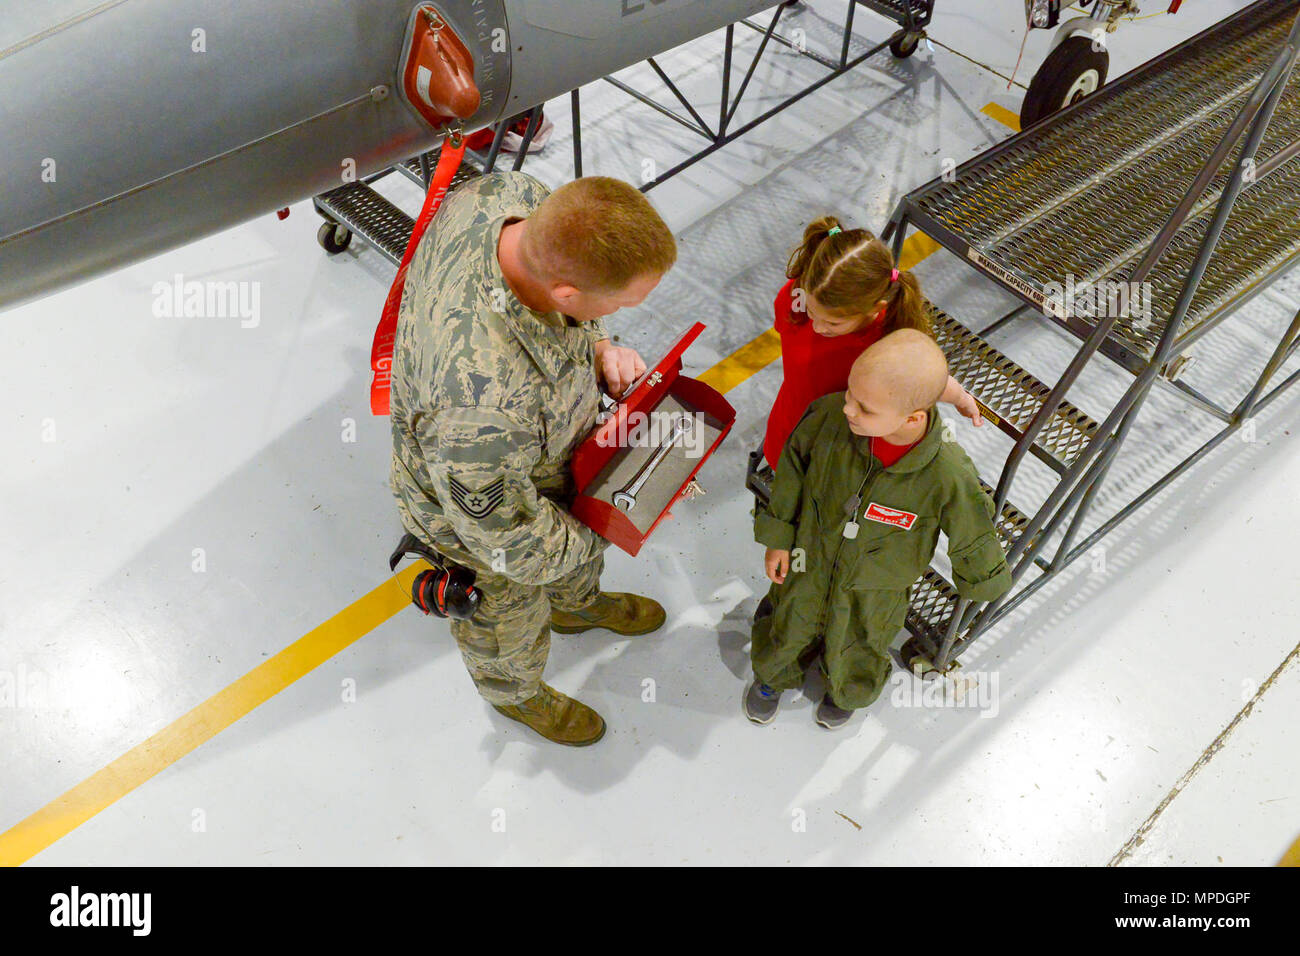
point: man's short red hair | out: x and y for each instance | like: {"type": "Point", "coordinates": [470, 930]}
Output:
{"type": "Point", "coordinates": [598, 234]}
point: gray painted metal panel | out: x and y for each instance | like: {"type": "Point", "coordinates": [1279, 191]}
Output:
{"type": "Point", "coordinates": [155, 144]}
{"type": "Point", "coordinates": [559, 46]}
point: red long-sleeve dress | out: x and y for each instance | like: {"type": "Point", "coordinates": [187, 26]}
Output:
{"type": "Point", "coordinates": [813, 365]}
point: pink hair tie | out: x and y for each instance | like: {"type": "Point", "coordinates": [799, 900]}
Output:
{"type": "Point", "coordinates": [893, 276]}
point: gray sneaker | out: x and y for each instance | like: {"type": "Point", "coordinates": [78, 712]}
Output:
{"type": "Point", "coordinates": [830, 716]}
{"type": "Point", "coordinates": [761, 702]}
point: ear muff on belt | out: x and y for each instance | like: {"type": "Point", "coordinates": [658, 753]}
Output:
{"type": "Point", "coordinates": [446, 593]}
{"type": "Point", "coordinates": [446, 590]}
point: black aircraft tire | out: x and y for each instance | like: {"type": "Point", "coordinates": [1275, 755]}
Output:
{"type": "Point", "coordinates": [1071, 71]}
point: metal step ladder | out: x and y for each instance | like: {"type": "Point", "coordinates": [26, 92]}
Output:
{"type": "Point", "coordinates": [357, 209]}
{"type": "Point", "coordinates": [1183, 177]}
{"type": "Point", "coordinates": [1087, 191]}
{"type": "Point", "coordinates": [913, 16]}
{"type": "Point", "coordinates": [1008, 396]}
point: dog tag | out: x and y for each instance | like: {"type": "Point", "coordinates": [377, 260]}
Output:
{"type": "Point", "coordinates": [851, 530]}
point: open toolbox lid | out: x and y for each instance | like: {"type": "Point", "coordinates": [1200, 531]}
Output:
{"type": "Point", "coordinates": [660, 376]}
{"type": "Point", "coordinates": [594, 461]}
{"type": "Point", "coordinates": [645, 393]}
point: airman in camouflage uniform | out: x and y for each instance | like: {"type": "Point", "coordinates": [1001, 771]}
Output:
{"type": "Point", "coordinates": [489, 400]}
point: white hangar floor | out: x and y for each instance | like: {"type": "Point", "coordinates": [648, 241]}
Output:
{"type": "Point", "coordinates": [146, 726]}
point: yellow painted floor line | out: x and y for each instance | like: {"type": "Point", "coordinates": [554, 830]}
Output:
{"type": "Point", "coordinates": [915, 248]}
{"type": "Point", "coordinates": [24, 840]}
{"type": "Point", "coordinates": [744, 362]}
{"type": "Point", "coordinates": [63, 815]}
{"type": "Point", "coordinates": [1002, 115]}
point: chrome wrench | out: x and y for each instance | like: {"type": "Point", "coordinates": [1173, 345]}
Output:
{"type": "Point", "coordinates": [626, 499]}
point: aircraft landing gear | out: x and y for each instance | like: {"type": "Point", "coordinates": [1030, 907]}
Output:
{"type": "Point", "coordinates": [1071, 71]}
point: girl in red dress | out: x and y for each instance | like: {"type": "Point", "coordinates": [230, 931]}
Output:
{"type": "Point", "coordinates": [844, 293]}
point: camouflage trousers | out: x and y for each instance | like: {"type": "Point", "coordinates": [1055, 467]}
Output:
{"type": "Point", "coordinates": [506, 643]}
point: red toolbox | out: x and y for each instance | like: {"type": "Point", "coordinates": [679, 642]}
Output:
{"type": "Point", "coordinates": [643, 458]}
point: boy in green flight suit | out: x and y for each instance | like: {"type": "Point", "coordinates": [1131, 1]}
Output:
{"type": "Point", "coordinates": [865, 484]}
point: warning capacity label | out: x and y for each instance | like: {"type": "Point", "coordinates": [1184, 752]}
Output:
{"type": "Point", "coordinates": [1010, 279]}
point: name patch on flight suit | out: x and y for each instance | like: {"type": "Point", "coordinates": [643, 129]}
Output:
{"type": "Point", "coordinates": [478, 502]}
{"type": "Point", "coordinates": [899, 519]}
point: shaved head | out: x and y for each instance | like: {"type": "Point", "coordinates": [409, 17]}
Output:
{"type": "Point", "coordinates": [905, 367]}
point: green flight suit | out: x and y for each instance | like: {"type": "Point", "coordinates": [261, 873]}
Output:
{"type": "Point", "coordinates": [852, 594]}
{"type": "Point", "coordinates": [489, 399]}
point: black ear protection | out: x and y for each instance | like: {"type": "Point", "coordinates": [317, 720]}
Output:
{"type": "Point", "coordinates": [446, 593]}
{"type": "Point", "coordinates": [446, 590]}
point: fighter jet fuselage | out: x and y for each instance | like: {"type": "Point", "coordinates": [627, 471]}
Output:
{"type": "Point", "coordinates": [132, 126]}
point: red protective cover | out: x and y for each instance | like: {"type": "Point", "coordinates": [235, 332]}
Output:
{"type": "Point", "coordinates": [592, 455]}
{"type": "Point", "coordinates": [447, 89]}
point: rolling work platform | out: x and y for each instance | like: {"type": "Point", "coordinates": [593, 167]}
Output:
{"type": "Point", "coordinates": [356, 209]}
{"type": "Point", "coordinates": [1175, 193]}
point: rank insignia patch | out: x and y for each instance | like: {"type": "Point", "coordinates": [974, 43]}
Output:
{"type": "Point", "coordinates": [480, 502]}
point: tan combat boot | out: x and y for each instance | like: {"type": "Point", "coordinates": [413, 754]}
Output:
{"type": "Point", "coordinates": [557, 717]}
{"type": "Point", "coordinates": [628, 614]}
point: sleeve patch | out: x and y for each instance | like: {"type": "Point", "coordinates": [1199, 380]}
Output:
{"type": "Point", "coordinates": [478, 502]}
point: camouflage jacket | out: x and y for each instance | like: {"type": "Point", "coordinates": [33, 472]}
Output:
{"type": "Point", "coordinates": [489, 398]}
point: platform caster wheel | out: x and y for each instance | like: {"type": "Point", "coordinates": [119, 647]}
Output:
{"type": "Point", "coordinates": [1072, 71]}
{"type": "Point", "coordinates": [333, 238]}
{"type": "Point", "coordinates": [905, 45]}
{"type": "Point", "coordinates": [914, 659]}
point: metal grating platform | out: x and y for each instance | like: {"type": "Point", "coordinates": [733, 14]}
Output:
{"type": "Point", "coordinates": [1085, 192]}
{"type": "Point", "coordinates": [1010, 396]}
{"type": "Point", "coordinates": [934, 598]}
{"type": "Point", "coordinates": [372, 217]}
{"type": "Point", "coordinates": [1261, 237]}
{"type": "Point", "coordinates": [411, 169]}
{"type": "Point", "coordinates": [897, 10]}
